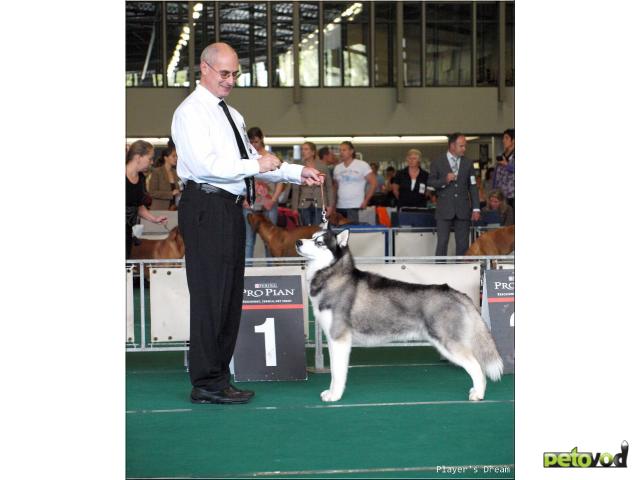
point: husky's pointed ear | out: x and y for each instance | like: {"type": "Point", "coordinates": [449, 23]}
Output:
{"type": "Point", "coordinates": [343, 238]}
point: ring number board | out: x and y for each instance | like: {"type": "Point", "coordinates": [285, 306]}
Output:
{"type": "Point", "coordinates": [270, 343]}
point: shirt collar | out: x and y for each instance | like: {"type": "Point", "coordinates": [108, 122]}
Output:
{"type": "Point", "coordinates": [450, 157]}
{"type": "Point", "coordinates": [204, 93]}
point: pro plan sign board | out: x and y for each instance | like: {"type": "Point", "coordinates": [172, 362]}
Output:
{"type": "Point", "coordinates": [499, 296]}
{"type": "Point", "coordinates": [270, 343]}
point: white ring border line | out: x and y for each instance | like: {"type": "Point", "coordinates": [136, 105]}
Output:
{"type": "Point", "coordinates": [349, 405]}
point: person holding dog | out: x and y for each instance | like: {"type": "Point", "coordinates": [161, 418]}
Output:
{"type": "Point", "coordinates": [139, 156]}
{"type": "Point", "coordinates": [308, 200]}
{"type": "Point", "coordinates": [351, 176]}
{"type": "Point", "coordinates": [454, 180]}
{"type": "Point", "coordinates": [218, 164]}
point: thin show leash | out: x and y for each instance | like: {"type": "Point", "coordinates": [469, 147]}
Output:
{"type": "Point", "coordinates": [324, 208]}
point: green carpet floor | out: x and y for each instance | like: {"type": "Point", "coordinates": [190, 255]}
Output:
{"type": "Point", "coordinates": [400, 419]}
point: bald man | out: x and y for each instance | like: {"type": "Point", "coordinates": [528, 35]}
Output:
{"type": "Point", "coordinates": [217, 164]}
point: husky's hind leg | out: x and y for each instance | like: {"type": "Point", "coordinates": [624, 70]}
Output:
{"type": "Point", "coordinates": [339, 351]}
{"type": "Point", "coordinates": [464, 357]}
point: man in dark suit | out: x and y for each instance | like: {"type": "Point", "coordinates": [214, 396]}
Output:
{"type": "Point", "coordinates": [454, 180]}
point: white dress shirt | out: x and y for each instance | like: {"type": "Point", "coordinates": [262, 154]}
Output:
{"type": "Point", "coordinates": [207, 148]}
{"type": "Point", "coordinates": [452, 162]}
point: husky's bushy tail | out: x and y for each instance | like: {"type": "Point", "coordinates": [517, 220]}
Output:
{"type": "Point", "coordinates": [485, 351]}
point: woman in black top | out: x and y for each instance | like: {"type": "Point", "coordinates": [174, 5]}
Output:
{"type": "Point", "coordinates": [139, 157]}
{"type": "Point", "coordinates": [410, 184]}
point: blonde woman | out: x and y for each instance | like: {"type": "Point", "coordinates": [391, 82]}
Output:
{"type": "Point", "coordinates": [410, 184]}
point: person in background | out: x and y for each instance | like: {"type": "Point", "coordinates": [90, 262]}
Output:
{"type": "Point", "coordinates": [454, 180]}
{"type": "Point", "coordinates": [139, 157]}
{"type": "Point", "coordinates": [327, 157]}
{"type": "Point", "coordinates": [387, 188]}
{"type": "Point", "coordinates": [496, 203]}
{"type": "Point", "coordinates": [485, 186]}
{"type": "Point", "coordinates": [379, 178]}
{"type": "Point", "coordinates": [164, 184]}
{"type": "Point", "coordinates": [308, 199]}
{"type": "Point", "coordinates": [351, 176]}
{"type": "Point", "coordinates": [267, 194]}
{"type": "Point", "coordinates": [409, 185]}
{"type": "Point", "coordinates": [505, 173]}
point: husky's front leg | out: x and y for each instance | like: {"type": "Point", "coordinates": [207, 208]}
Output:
{"type": "Point", "coordinates": [339, 352]}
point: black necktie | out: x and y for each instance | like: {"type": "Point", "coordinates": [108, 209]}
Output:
{"type": "Point", "coordinates": [249, 182]}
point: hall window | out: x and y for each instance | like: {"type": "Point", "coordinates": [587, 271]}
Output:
{"type": "Point", "coordinates": [178, 37]}
{"type": "Point", "coordinates": [449, 43]}
{"type": "Point", "coordinates": [510, 14]}
{"type": "Point", "coordinates": [487, 43]}
{"type": "Point", "coordinates": [385, 41]}
{"type": "Point", "coordinates": [204, 30]}
{"type": "Point", "coordinates": [144, 63]}
{"type": "Point", "coordinates": [346, 40]}
{"type": "Point", "coordinates": [309, 40]}
{"type": "Point", "coordinates": [282, 39]}
{"type": "Point", "coordinates": [243, 25]}
{"type": "Point", "coordinates": [412, 44]}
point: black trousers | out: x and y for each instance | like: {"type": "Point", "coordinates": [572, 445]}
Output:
{"type": "Point", "coordinates": [461, 229]}
{"type": "Point", "coordinates": [213, 229]}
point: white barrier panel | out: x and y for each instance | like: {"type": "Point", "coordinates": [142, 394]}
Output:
{"type": "Point", "coordinates": [130, 313]}
{"type": "Point", "coordinates": [367, 244]}
{"type": "Point", "coordinates": [169, 304]}
{"type": "Point", "coordinates": [420, 244]}
{"type": "Point", "coordinates": [170, 300]}
{"type": "Point", "coordinates": [150, 227]}
{"type": "Point", "coordinates": [463, 277]}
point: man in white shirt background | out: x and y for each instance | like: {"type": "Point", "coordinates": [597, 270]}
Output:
{"type": "Point", "coordinates": [351, 176]}
{"type": "Point", "coordinates": [217, 163]}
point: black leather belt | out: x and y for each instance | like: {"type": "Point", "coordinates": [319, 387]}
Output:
{"type": "Point", "coordinates": [206, 188]}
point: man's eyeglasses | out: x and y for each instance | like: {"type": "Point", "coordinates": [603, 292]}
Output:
{"type": "Point", "coordinates": [225, 73]}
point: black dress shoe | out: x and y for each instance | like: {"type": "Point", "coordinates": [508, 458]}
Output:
{"type": "Point", "coordinates": [245, 393]}
{"type": "Point", "coordinates": [226, 395]}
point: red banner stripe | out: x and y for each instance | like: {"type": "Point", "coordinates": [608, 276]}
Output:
{"type": "Point", "coordinates": [502, 300]}
{"type": "Point", "coordinates": [286, 306]}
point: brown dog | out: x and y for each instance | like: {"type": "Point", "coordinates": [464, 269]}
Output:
{"type": "Point", "coordinates": [170, 247]}
{"type": "Point", "coordinates": [279, 241]}
{"type": "Point", "coordinates": [497, 242]}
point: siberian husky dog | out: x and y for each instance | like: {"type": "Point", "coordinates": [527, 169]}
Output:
{"type": "Point", "coordinates": [362, 307]}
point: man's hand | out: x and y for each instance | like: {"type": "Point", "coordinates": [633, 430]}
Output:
{"type": "Point", "coordinates": [162, 220]}
{"type": "Point", "coordinates": [475, 216]}
{"type": "Point", "coordinates": [311, 176]}
{"type": "Point", "coordinates": [268, 163]}
{"type": "Point", "coordinates": [451, 177]}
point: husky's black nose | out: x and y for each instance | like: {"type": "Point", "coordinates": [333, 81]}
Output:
{"type": "Point", "coordinates": [298, 243]}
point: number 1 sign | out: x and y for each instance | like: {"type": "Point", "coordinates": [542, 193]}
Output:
{"type": "Point", "coordinates": [270, 343]}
